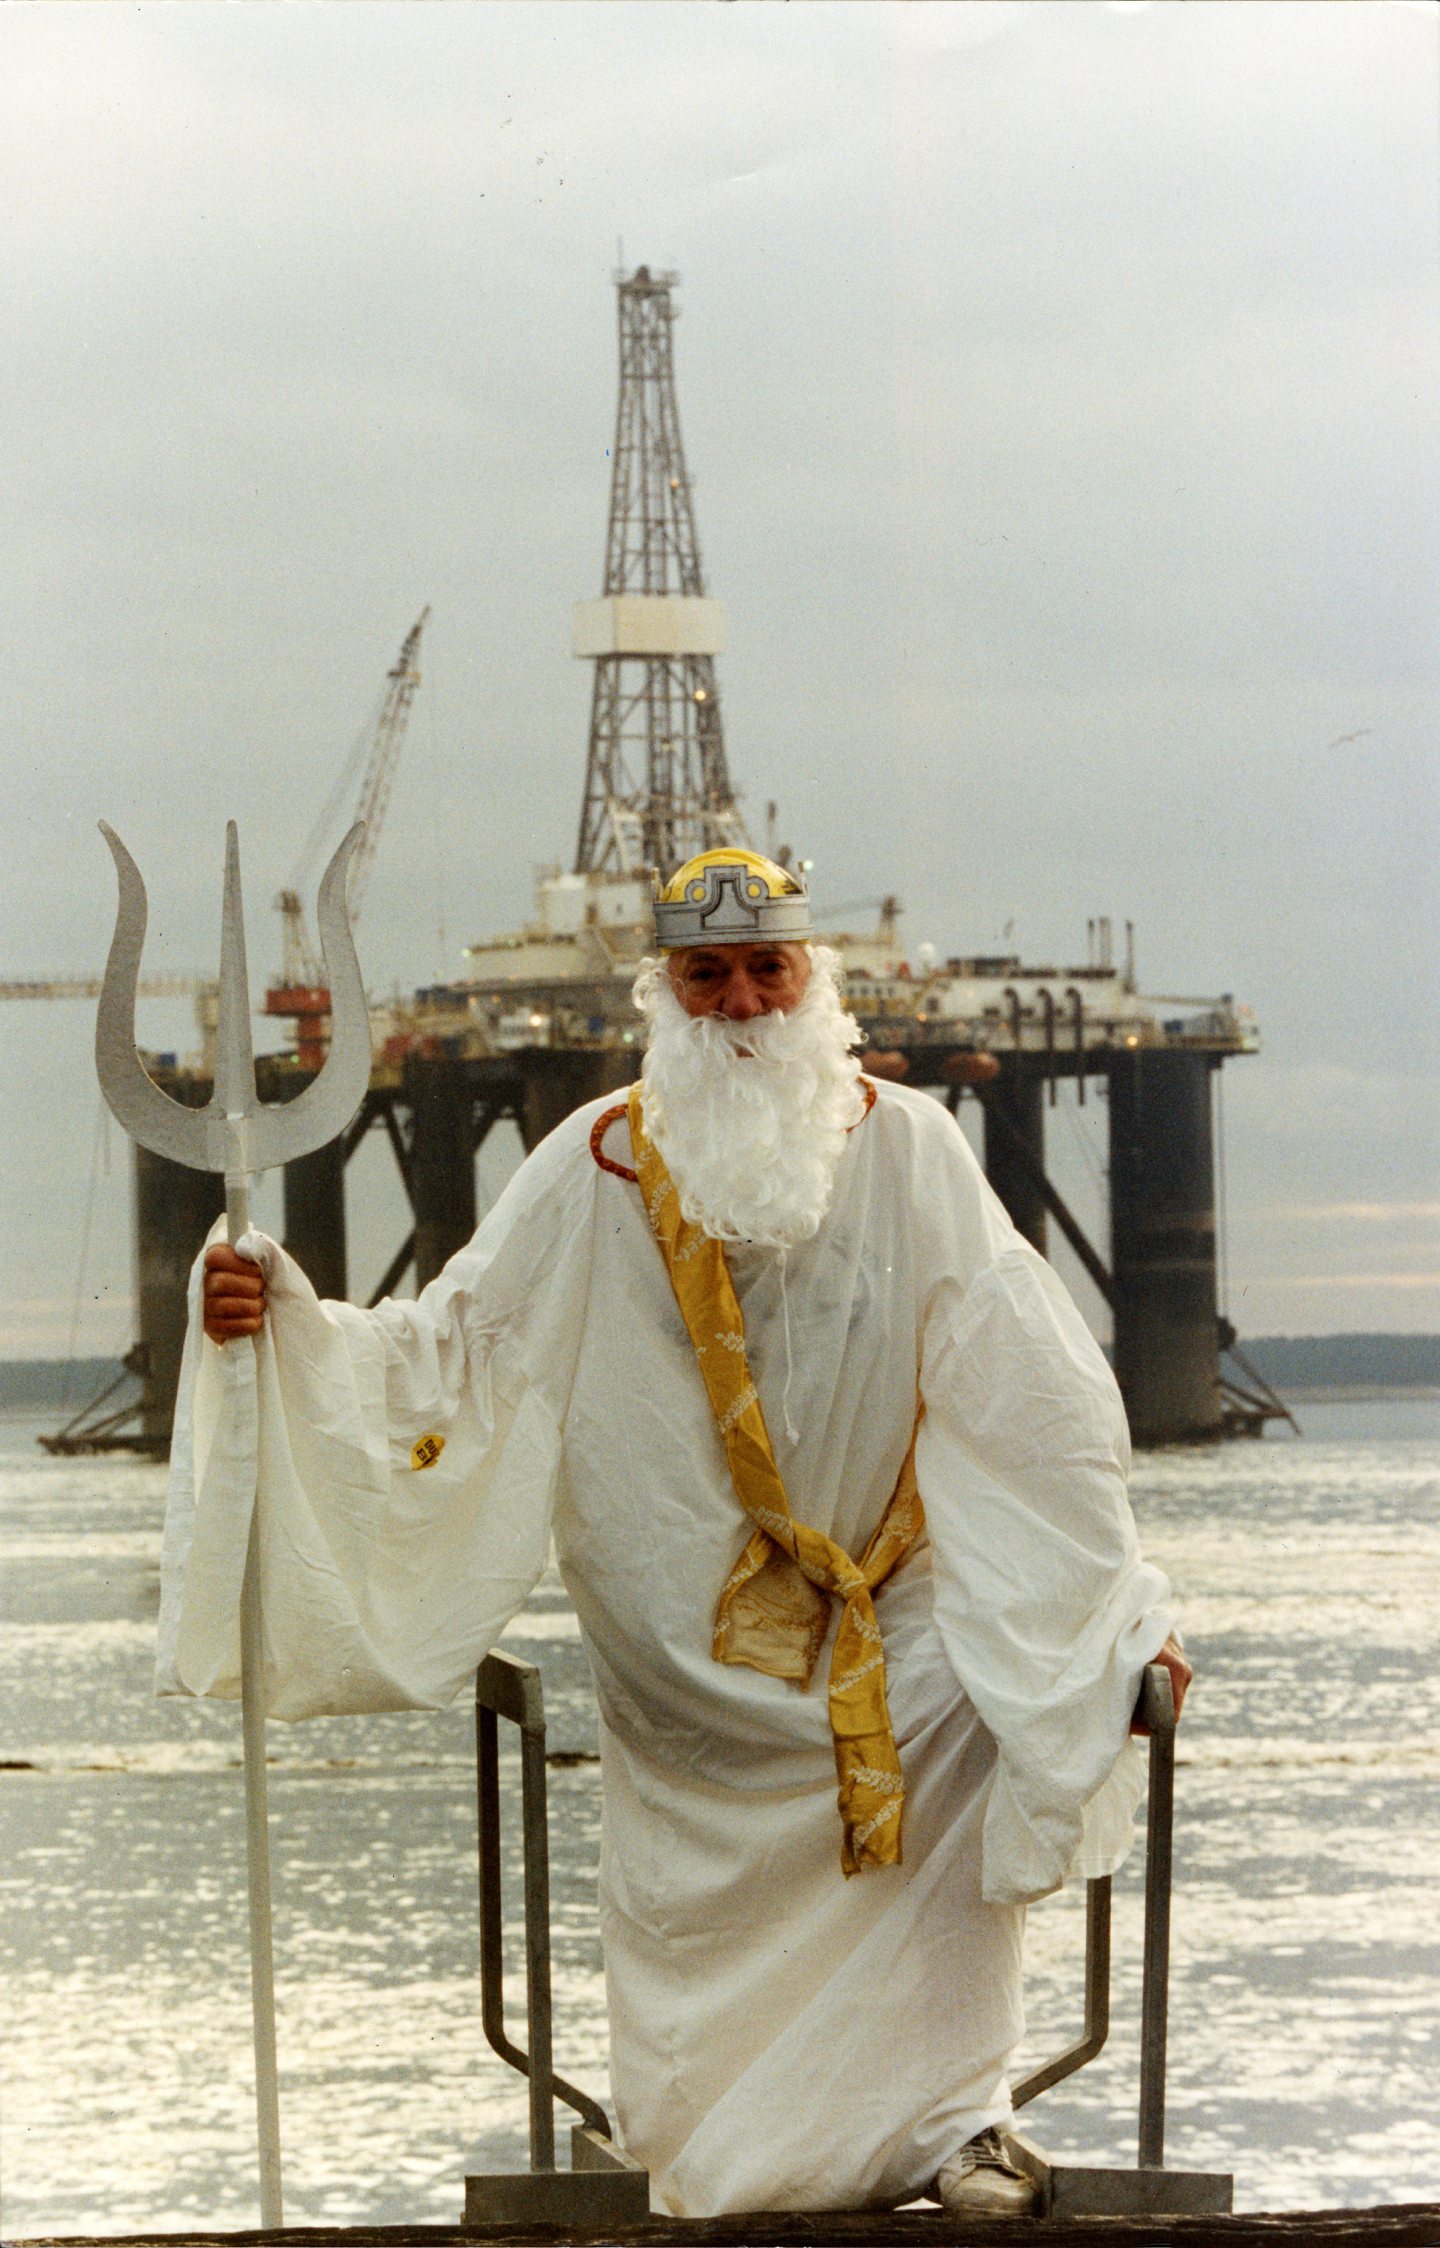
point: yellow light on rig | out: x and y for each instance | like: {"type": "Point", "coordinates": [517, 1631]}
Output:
{"type": "Point", "coordinates": [699, 694]}
{"type": "Point", "coordinates": [1132, 1038]}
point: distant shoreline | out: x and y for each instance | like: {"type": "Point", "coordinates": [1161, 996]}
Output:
{"type": "Point", "coordinates": [1335, 1393]}
{"type": "Point", "coordinates": [1341, 1369]}
{"type": "Point", "coordinates": [1359, 1393]}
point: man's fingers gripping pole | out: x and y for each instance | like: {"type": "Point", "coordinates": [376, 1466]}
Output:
{"type": "Point", "coordinates": [1170, 1658]}
{"type": "Point", "coordinates": [234, 1292]}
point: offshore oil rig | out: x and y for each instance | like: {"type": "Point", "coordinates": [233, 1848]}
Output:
{"type": "Point", "coordinates": [542, 1021]}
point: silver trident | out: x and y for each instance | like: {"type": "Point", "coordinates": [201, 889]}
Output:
{"type": "Point", "coordinates": [239, 1134]}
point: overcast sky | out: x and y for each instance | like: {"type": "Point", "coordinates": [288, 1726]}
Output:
{"type": "Point", "coordinates": [1058, 382]}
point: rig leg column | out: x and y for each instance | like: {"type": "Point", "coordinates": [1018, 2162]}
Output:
{"type": "Point", "coordinates": [315, 1217]}
{"type": "Point", "coordinates": [1015, 1130]}
{"type": "Point", "coordinates": [1162, 1223]}
{"type": "Point", "coordinates": [174, 1210]}
{"type": "Point", "coordinates": [442, 1162]}
{"type": "Point", "coordinates": [556, 1084]}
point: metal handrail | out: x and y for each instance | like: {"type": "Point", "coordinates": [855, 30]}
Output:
{"type": "Point", "coordinates": [1097, 2000]}
{"type": "Point", "coordinates": [507, 1688]}
{"type": "Point", "coordinates": [607, 2187]}
{"type": "Point", "coordinates": [1157, 1713]}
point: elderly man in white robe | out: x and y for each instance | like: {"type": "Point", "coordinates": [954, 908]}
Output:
{"type": "Point", "coordinates": [835, 1474]}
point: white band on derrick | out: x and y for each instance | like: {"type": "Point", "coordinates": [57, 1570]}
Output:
{"type": "Point", "coordinates": [649, 624]}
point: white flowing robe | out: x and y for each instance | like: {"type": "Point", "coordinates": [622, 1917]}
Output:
{"type": "Point", "coordinates": [780, 2037]}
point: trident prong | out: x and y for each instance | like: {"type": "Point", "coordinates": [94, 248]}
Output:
{"type": "Point", "coordinates": [237, 1132]}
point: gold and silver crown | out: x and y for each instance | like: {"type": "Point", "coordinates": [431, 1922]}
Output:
{"type": "Point", "coordinates": [732, 897]}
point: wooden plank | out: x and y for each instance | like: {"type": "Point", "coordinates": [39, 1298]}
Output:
{"type": "Point", "coordinates": [1408, 2225]}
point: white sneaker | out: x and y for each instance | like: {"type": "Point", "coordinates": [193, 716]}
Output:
{"type": "Point", "coordinates": [982, 2181]}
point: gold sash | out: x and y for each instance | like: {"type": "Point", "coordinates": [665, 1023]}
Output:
{"type": "Point", "coordinates": [775, 1608]}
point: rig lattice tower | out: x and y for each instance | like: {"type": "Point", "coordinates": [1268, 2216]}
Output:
{"type": "Point", "coordinates": [657, 788]}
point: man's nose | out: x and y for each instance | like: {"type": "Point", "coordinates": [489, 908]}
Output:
{"type": "Point", "coordinates": [742, 1002]}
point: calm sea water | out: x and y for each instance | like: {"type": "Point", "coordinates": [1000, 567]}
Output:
{"type": "Point", "coordinates": [1305, 2023]}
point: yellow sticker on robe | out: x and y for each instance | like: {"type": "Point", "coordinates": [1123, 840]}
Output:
{"type": "Point", "coordinates": [427, 1451]}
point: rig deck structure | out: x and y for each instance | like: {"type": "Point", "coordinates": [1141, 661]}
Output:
{"type": "Point", "coordinates": [530, 1050]}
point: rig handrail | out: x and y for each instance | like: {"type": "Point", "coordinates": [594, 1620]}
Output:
{"type": "Point", "coordinates": [1097, 2000]}
{"type": "Point", "coordinates": [1156, 1710]}
{"type": "Point", "coordinates": [505, 1687]}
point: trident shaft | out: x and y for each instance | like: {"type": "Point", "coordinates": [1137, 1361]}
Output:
{"type": "Point", "coordinates": [238, 1134]}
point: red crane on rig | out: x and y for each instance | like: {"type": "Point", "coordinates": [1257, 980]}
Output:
{"type": "Point", "coordinates": [301, 992]}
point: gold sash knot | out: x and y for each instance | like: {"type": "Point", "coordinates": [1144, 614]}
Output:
{"type": "Point", "coordinates": [774, 1608]}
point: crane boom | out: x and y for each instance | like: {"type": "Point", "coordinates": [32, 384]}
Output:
{"type": "Point", "coordinates": [300, 991]}
{"type": "Point", "coordinates": [403, 679]}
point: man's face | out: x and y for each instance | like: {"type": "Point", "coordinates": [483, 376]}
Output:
{"type": "Point", "coordinates": [740, 981]}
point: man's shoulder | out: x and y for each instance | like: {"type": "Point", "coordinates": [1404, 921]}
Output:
{"type": "Point", "coordinates": [908, 1115]}
{"type": "Point", "coordinates": [571, 1143]}
{"type": "Point", "coordinates": [915, 1135]}
{"type": "Point", "coordinates": [553, 1186]}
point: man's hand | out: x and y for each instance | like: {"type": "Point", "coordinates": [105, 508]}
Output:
{"type": "Point", "coordinates": [1180, 1677]}
{"type": "Point", "coordinates": [234, 1294]}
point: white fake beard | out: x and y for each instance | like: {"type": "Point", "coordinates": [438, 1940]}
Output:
{"type": "Point", "coordinates": [751, 1117]}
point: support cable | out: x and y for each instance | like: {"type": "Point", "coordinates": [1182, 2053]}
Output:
{"type": "Point", "coordinates": [440, 843]}
{"type": "Point", "coordinates": [395, 1271]}
{"type": "Point", "coordinates": [84, 1260]}
{"type": "Point", "coordinates": [341, 792]}
{"type": "Point", "coordinates": [1021, 1154]}
{"type": "Point", "coordinates": [1084, 1144]}
{"type": "Point", "coordinates": [1269, 1404]}
{"type": "Point", "coordinates": [1222, 1240]}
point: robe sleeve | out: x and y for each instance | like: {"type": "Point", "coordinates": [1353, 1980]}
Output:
{"type": "Point", "coordinates": [1046, 1608]}
{"type": "Point", "coordinates": [390, 1562]}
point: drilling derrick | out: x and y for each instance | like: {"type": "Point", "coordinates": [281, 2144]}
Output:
{"type": "Point", "coordinates": [657, 789]}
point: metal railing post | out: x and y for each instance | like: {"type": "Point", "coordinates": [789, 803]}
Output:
{"type": "Point", "coordinates": [537, 1949]}
{"type": "Point", "coordinates": [1065, 2190]}
{"type": "Point", "coordinates": [1097, 2000]}
{"type": "Point", "coordinates": [492, 1946]}
{"type": "Point", "coordinates": [1158, 1710]}
{"type": "Point", "coordinates": [504, 1687]}
{"type": "Point", "coordinates": [604, 2185]}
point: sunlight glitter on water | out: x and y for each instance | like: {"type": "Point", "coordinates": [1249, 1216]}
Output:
{"type": "Point", "coordinates": [1306, 1998]}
